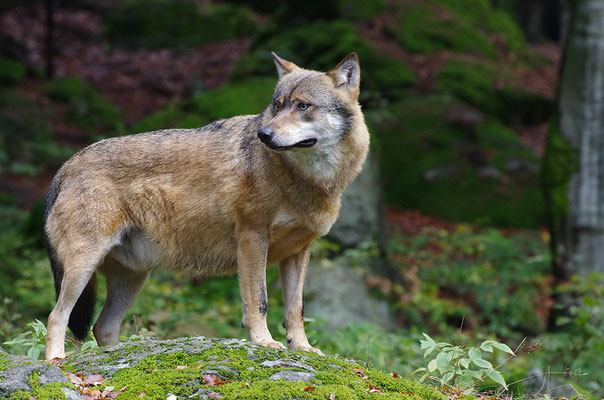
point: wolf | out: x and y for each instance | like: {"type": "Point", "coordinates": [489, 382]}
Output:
{"type": "Point", "coordinates": [227, 198]}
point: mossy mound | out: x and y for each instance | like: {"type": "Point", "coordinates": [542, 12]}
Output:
{"type": "Point", "coordinates": [466, 26]}
{"type": "Point", "coordinates": [87, 109]}
{"type": "Point", "coordinates": [248, 97]}
{"type": "Point", "coordinates": [159, 368]}
{"type": "Point", "coordinates": [11, 72]}
{"type": "Point", "coordinates": [177, 24]}
{"type": "Point", "coordinates": [433, 148]}
{"type": "Point", "coordinates": [485, 88]}
{"type": "Point", "coordinates": [312, 46]}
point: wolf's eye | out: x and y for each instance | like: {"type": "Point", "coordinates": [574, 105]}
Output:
{"type": "Point", "coordinates": [303, 106]}
{"type": "Point", "coordinates": [276, 107]}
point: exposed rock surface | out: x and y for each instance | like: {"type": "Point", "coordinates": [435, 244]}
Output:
{"type": "Point", "coordinates": [362, 215]}
{"type": "Point", "coordinates": [199, 368]}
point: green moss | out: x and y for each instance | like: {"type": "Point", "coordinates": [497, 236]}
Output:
{"type": "Point", "coordinates": [474, 83]}
{"type": "Point", "coordinates": [424, 29]}
{"type": "Point", "coordinates": [558, 165]}
{"type": "Point", "coordinates": [11, 72]}
{"type": "Point", "coordinates": [5, 363]}
{"type": "Point", "coordinates": [247, 97]}
{"type": "Point", "coordinates": [313, 46]}
{"type": "Point", "coordinates": [51, 391]}
{"type": "Point", "coordinates": [360, 9]}
{"type": "Point", "coordinates": [170, 117]}
{"type": "Point", "coordinates": [87, 109]}
{"type": "Point", "coordinates": [444, 160]}
{"type": "Point", "coordinates": [468, 26]}
{"type": "Point", "coordinates": [158, 375]}
{"type": "Point", "coordinates": [181, 23]}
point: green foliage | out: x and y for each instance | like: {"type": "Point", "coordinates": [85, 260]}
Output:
{"type": "Point", "coordinates": [359, 9]}
{"type": "Point", "coordinates": [11, 72]}
{"type": "Point", "coordinates": [33, 340]}
{"type": "Point", "coordinates": [313, 46]}
{"type": "Point", "coordinates": [26, 144]}
{"type": "Point", "coordinates": [248, 97]}
{"type": "Point", "coordinates": [577, 343]}
{"type": "Point", "coordinates": [475, 83]}
{"type": "Point", "coordinates": [177, 24]}
{"type": "Point", "coordinates": [558, 165]}
{"type": "Point", "coordinates": [466, 26]}
{"type": "Point", "coordinates": [170, 117]}
{"type": "Point", "coordinates": [423, 30]}
{"type": "Point", "coordinates": [462, 367]}
{"type": "Point", "coordinates": [476, 270]}
{"type": "Point", "coordinates": [87, 109]}
{"type": "Point", "coordinates": [424, 159]}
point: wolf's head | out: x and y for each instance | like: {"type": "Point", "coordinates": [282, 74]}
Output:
{"type": "Point", "coordinates": [311, 109]}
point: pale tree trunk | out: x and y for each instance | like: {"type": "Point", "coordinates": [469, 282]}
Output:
{"type": "Point", "coordinates": [579, 242]}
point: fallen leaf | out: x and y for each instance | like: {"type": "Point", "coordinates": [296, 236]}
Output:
{"type": "Point", "coordinates": [309, 388]}
{"type": "Point", "coordinates": [181, 367]}
{"type": "Point", "coordinates": [373, 389]}
{"type": "Point", "coordinates": [76, 380]}
{"type": "Point", "coordinates": [214, 395]}
{"type": "Point", "coordinates": [332, 396]}
{"type": "Point", "coordinates": [32, 398]}
{"type": "Point", "coordinates": [395, 375]}
{"type": "Point", "coordinates": [94, 379]}
{"type": "Point", "coordinates": [171, 397]}
{"type": "Point", "coordinates": [142, 394]}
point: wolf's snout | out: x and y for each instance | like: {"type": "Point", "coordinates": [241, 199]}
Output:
{"type": "Point", "coordinates": [266, 135]}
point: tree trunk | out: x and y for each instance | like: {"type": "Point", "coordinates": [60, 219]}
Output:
{"type": "Point", "coordinates": [576, 150]}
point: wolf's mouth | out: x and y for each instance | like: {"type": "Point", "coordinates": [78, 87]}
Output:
{"type": "Point", "coordinates": [301, 144]}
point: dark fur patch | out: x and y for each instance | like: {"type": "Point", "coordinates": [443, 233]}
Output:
{"type": "Point", "coordinates": [214, 126]}
{"type": "Point", "coordinates": [248, 141]}
{"type": "Point", "coordinates": [289, 340]}
{"type": "Point", "coordinates": [345, 114]}
{"type": "Point", "coordinates": [263, 302]}
{"type": "Point", "coordinates": [302, 310]}
{"type": "Point", "coordinates": [80, 319]}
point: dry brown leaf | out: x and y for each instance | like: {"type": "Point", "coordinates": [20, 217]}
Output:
{"type": "Point", "coordinates": [309, 388]}
{"type": "Point", "coordinates": [214, 395]}
{"type": "Point", "coordinates": [94, 379]}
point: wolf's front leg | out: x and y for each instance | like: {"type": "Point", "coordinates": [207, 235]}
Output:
{"type": "Point", "coordinates": [251, 259]}
{"type": "Point", "coordinates": [293, 272]}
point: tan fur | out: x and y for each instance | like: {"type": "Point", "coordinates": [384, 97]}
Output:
{"type": "Point", "coordinates": [214, 200]}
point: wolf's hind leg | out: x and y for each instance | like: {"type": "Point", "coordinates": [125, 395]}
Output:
{"type": "Point", "coordinates": [76, 275]}
{"type": "Point", "coordinates": [292, 271]}
{"type": "Point", "coordinates": [123, 287]}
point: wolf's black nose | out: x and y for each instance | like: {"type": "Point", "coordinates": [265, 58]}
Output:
{"type": "Point", "coordinates": [265, 135]}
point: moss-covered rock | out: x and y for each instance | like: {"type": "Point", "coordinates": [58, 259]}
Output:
{"type": "Point", "coordinates": [467, 26]}
{"type": "Point", "coordinates": [11, 72]}
{"type": "Point", "coordinates": [483, 170]}
{"type": "Point", "coordinates": [320, 46]}
{"type": "Point", "coordinates": [23, 378]}
{"type": "Point", "coordinates": [247, 97]}
{"type": "Point", "coordinates": [482, 86]}
{"type": "Point", "coordinates": [87, 109]}
{"type": "Point", "coordinates": [181, 367]}
{"type": "Point", "coordinates": [176, 24]}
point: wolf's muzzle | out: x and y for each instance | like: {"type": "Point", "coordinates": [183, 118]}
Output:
{"type": "Point", "coordinates": [266, 136]}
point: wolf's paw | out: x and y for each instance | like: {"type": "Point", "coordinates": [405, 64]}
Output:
{"type": "Point", "coordinates": [308, 348]}
{"type": "Point", "coordinates": [272, 344]}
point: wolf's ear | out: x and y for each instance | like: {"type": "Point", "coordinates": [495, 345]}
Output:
{"type": "Point", "coordinates": [348, 72]}
{"type": "Point", "coordinates": [283, 67]}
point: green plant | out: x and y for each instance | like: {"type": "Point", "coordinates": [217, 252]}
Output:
{"type": "Point", "coordinates": [87, 108]}
{"type": "Point", "coordinates": [11, 72]}
{"type": "Point", "coordinates": [33, 341]}
{"type": "Point", "coordinates": [462, 367]}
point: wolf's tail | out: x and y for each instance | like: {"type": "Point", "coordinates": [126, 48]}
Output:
{"type": "Point", "coordinates": [83, 311]}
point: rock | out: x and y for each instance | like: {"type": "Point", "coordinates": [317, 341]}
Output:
{"type": "Point", "coordinates": [203, 368]}
{"type": "Point", "coordinates": [16, 375]}
{"type": "Point", "coordinates": [336, 293]}
{"type": "Point", "coordinates": [362, 214]}
{"type": "Point", "coordinates": [292, 376]}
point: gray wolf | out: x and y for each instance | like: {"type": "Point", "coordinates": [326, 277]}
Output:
{"type": "Point", "coordinates": [226, 198]}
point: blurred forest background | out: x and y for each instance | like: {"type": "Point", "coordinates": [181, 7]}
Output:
{"type": "Point", "coordinates": [456, 228]}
